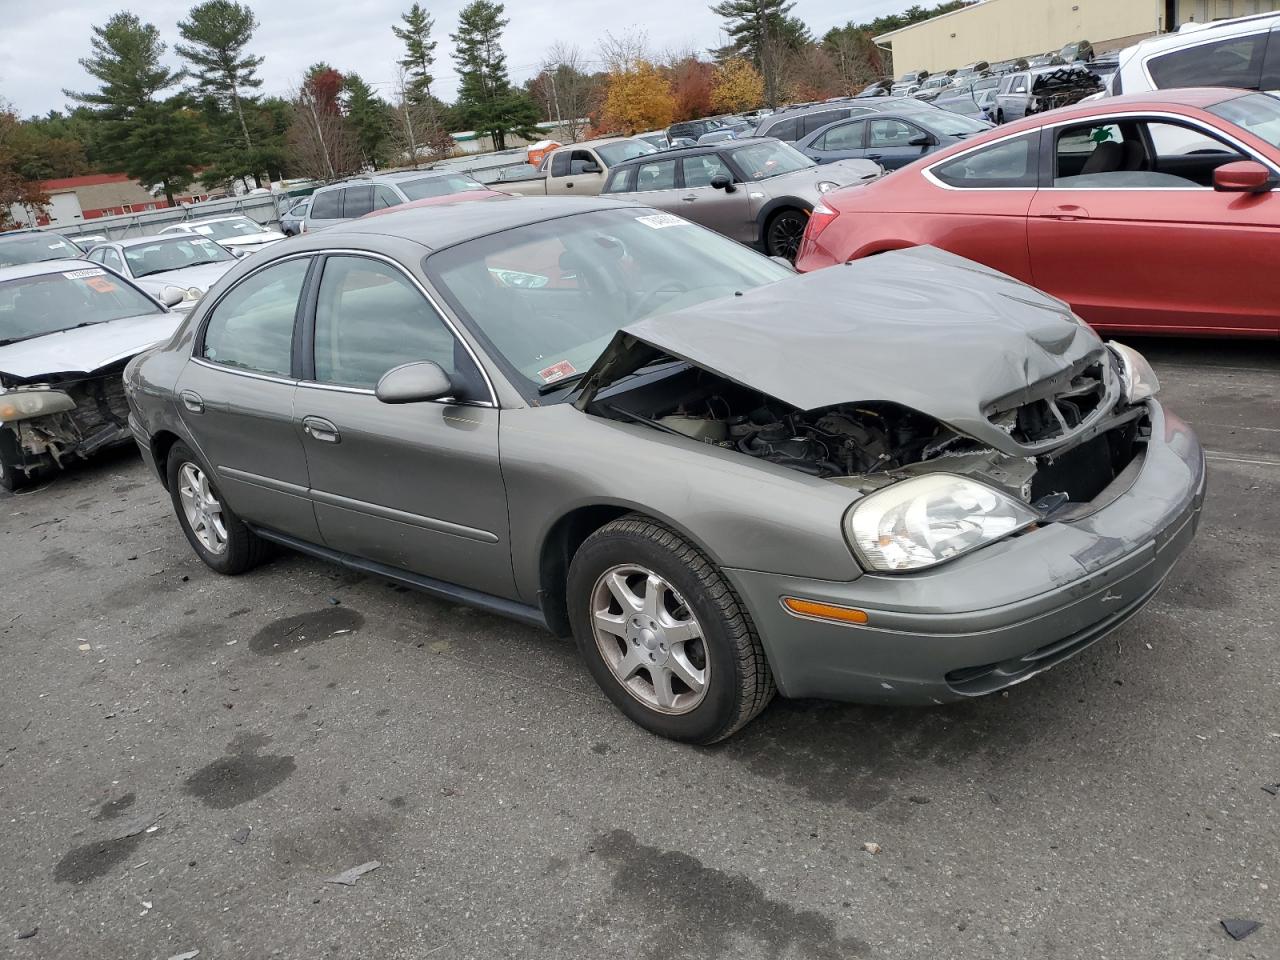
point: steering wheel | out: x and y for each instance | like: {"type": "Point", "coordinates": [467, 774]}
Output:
{"type": "Point", "coordinates": [670, 286]}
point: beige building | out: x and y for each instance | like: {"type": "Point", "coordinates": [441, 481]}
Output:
{"type": "Point", "coordinates": [994, 30]}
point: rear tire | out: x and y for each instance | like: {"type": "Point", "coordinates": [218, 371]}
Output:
{"type": "Point", "coordinates": [649, 611]}
{"type": "Point", "coordinates": [218, 536]}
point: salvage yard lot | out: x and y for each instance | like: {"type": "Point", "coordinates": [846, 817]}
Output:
{"type": "Point", "coordinates": [1112, 807]}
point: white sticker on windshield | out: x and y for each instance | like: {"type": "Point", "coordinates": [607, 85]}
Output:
{"type": "Point", "coordinates": [81, 274]}
{"type": "Point", "coordinates": [656, 221]}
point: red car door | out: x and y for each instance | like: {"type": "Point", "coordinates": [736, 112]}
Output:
{"type": "Point", "coordinates": [1133, 235]}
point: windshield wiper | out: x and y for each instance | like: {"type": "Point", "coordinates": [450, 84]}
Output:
{"type": "Point", "coordinates": [555, 385]}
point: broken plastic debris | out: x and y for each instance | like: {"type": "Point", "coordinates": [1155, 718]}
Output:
{"type": "Point", "coordinates": [189, 955]}
{"type": "Point", "coordinates": [1239, 929]}
{"type": "Point", "coordinates": [872, 848]}
{"type": "Point", "coordinates": [1272, 788]}
{"type": "Point", "coordinates": [241, 835]}
{"type": "Point", "coordinates": [348, 878]}
{"type": "Point", "coordinates": [85, 647]}
{"type": "Point", "coordinates": [27, 934]}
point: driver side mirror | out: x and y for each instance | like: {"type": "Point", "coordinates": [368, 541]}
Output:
{"type": "Point", "coordinates": [414, 383]}
{"type": "Point", "coordinates": [1243, 176]}
{"type": "Point", "coordinates": [723, 182]}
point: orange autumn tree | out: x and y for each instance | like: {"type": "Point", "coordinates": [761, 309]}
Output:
{"type": "Point", "coordinates": [637, 97]}
{"type": "Point", "coordinates": [737, 86]}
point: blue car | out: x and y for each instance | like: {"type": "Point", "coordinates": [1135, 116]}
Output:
{"type": "Point", "coordinates": [891, 139]}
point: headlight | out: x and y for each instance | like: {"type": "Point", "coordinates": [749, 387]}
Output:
{"type": "Point", "coordinates": [1140, 381]}
{"type": "Point", "coordinates": [926, 520]}
{"type": "Point", "coordinates": [192, 293]}
{"type": "Point", "coordinates": [25, 404]}
{"type": "Point", "coordinates": [825, 186]}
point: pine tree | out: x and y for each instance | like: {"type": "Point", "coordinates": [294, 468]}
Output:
{"type": "Point", "coordinates": [155, 141]}
{"type": "Point", "coordinates": [368, 117]}
{"type": "Point", "coordinates": [420, 51]}
{"type": "Point", "coordinates": [763, 32]}
{"type": "Point", "coordinates": [486, 100]}
{"type": "Point", "coordinates": [217, 33]}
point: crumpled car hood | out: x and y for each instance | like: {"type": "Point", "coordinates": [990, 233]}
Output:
{"type": "Point", "coordinates": [85, 349]}
{"type": "Point", "coordinates": [921, 328]}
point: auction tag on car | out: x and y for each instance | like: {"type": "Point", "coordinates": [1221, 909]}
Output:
{"type": "Point", "coordinates": [557, 371]}
{"type": "Point", "coordinates": [656, 221]}
{"type": "Point", "coordinates": [101, 284]}
{"type": "Point", "coordinates": [83, 274]}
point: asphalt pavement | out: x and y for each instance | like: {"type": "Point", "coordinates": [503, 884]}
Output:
{"type": "Point", "coordinates": [185, 759]}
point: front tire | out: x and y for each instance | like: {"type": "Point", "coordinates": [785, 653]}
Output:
{"type": "Point", "coordinates": [12, 478]}
{"type": "Point", "coordinates": [664, 634]}
{"type": "Point", "coordinates": [218, 536]}
{"type": "Point", "coordinates": [783, 232]}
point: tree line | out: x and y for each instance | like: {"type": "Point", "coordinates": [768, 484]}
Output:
{"type": "Point", "coordinates": [207, 120]}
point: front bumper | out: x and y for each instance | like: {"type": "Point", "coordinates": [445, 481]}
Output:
{"type": "Point", "coordinates": [999, 615]}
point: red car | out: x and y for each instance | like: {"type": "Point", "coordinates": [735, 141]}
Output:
{"type": "Point", "coordinates": [1151, 213]}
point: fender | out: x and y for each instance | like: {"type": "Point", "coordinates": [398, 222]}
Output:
{"type": "Point", "coordinates": [772, 207]}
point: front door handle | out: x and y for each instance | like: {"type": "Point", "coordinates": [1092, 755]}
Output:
{"type": "Point", "coordinates": [1068, 211]}
{"type": "Point", "coordinates": [192, 401]}
{"type": "Point", "coordinates": [874, 156]}
{"type": "Point", "coordinates": [688, 199]}
{"type": "Point", "coordinates": [318, 428]}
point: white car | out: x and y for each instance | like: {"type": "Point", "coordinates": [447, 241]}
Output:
{"type": "Point", "coordinates": [239, 234]}
{"type": "Point", "coordinates": [1244, 52]}
{"type": "Point", "coordinates": [189, 263]}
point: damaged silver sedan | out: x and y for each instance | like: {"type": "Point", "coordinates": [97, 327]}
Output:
{"type": "Point", "coordinates": [908, 480]}
{"type": "Point", "coordinates": [67, 328]}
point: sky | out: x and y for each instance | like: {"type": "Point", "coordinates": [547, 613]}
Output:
{"type": "Point", "coordinates": [42, 42]}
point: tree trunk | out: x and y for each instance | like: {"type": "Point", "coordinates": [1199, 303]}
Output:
{"type": "Point", "coordinates": [168, 192]}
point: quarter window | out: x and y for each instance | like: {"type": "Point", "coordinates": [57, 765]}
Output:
{"type": "Point", "coordinates": [252, 326]}
{"type": "Point", "coordinates": [619, 180]}
{"type": "Point", "coordinates": [1011, 163]}
{"type": "Point", "coordinates": [327, 205]}
{"type": "Point", "coordinates": [371, 318]}
{"type": "Point", "coordinates": [384, 197]}
{"type": "Point", "coordinates": [656, 176]}
{"type": "Point", "coordinates": [357, 202]}
{"type": "Point", "coordinates": [785, 129]}
{"type": "Point", "coordinates": [1234, 62]}
{"type": "Point", "coordinates": [699, 171]}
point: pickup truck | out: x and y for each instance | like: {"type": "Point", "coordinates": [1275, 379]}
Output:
{"type": "Point", "coordinates": [577, 169]}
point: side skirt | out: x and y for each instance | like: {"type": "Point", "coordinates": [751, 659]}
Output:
{"type": "Point", "coordinates": [436, 588]}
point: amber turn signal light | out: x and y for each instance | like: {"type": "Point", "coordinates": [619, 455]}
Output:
{"type": "Point", "coordinates": [824, 611]}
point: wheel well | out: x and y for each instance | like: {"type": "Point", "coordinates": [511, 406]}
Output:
{"type": "Point", "coordinates": [161, 443]}
{"type": "Point", "coordinates": [561, 543]}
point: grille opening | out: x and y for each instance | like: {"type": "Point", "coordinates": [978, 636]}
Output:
{"type": "Point", "coordinates": [1051, 417]}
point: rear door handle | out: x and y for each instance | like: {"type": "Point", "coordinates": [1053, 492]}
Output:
{"type": "Point", "coordinates": [318, 428]}
{"type": "Point", "coordinates": [192, 401]}
{"type": "Point", "coordinates": [688, 199]}
{"type": "Point", "coordinates": [874, 156]}
{"type": "Point", "coordinates": [1068, 211]}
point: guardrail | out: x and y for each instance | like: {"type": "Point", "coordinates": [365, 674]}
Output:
{"type": "Point", "coordinates": [261, 207]}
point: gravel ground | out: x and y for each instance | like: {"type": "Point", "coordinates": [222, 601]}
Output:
{"type": "Point", "coordinates": [187, 757]}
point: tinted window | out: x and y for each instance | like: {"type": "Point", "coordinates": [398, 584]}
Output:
{"type": "Point", "coordinates": [384, 197]}
{"type": "Point", "coordinates": [560, 163]}
{"type": "Point", "coordinates": [698, 171]}
{"type": "Point", "coordinates": [890, 133]}
{"type": "Point", "coordinates": [785, 129]}
{"type": "Point", "coordinates": [1018, 84]}
{"type": "Point", "coordinates": [327, 205]}
{"type": "Point", "coordinates": [1235, 62]}
{"type": "Point", "coordinates": [252, 326]}
{"type": "Point", "coordinates": [656, 176]}
{"type": "Point", "coordinates": [370, 318]}
{"type": "Point", "coordinates": [1008, 164]}
{"type": "Point", "coordinates": [816, 121]}
{"type": "Point", "coordinates": [847, 136]}
{"type": "Point", "coordinates": [357, 202]}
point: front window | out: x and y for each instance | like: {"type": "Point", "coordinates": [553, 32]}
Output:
{"type": "Point", "coordinates": [34, 306]}
{"type": "Point", "coordinates": [612, 153]}
{"type": "Point", "coordinates": [1255, 113]}
{"type": "Point", "coordinates": [548, 297]}
{"type": "Point", "coordinates": [953, 125]}
{"type": "Point", "coordinates": [175, 253]}
{"type": "Point", "coordinates": [760, 161]}
{"type": "Point", "coordinates": [35, 248]}
{"type": "Point", "coordinates": [251, 328]}
{"type": "Point", "coordinates": [439, 186]}
{"type": "Point", "coordinates": [228, 229]}
{"type": "Point", "coordinates": [1132, 153]}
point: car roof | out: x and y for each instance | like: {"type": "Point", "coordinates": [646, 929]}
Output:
{"type": "Point", "coordinates": [437, 227]}
{"type": "Point", "coordinates": [28, 234]}
{"type": "Point", "coordinates": [217, 219]}
{"type": "Point", "coordinates": [1207, 32]}
{"type": "Point", "coordinates": [150, 238]}
{"type": "Point", "coordinates": [22, 271]}
{"type": "Point", "coordinates": [1195, 97]}
{"type": "Point", "coordinates": [692, 149]}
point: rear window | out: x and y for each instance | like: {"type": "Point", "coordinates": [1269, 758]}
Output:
{"type": "Point", "coordinates": [357, 202]}
{"type": "Point", "coordinates": [785, 129]}
{"type": "Point", "coordinates": [34, 248]}
{"type": "Point", "coordinates": [1234, 62]}
{"type": "Point", "coordinates": [327, 205]}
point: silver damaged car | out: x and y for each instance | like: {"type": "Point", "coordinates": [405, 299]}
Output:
{"type": "Point", "coordinates": [908, 480]}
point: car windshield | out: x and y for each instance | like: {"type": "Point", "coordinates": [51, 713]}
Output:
{"type": "Point", "coordinates": [34, 248]}
{"type": "Point", "coordinates": [1257, 113]}
{"type": "Point", "coordinates": [548, 297]}
{"type": "Point", "coordinates": [228, 229]}
{"type": "Point", "coordinates": [759, 161]}
{"type": "Point", "coordinates": [612, 153]}
{"type": "Point", "coordinates": [439, 186]}
{"type": "Point", "coordinates": [953, 125]}
{"type": "Point", "coordinates": [172, 254]}
{"type": "Point", "coordinates": [35, 306]}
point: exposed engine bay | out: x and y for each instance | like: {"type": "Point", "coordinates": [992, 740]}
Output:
{"type": "Point", "coordinates": [869, 445]}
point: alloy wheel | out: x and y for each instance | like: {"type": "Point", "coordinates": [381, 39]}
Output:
{"type": "Point", "coordinates": [650, 639]}
{"type": "Point", "coordinates": [785, 233]}
{"type": "Point", "coordinates": [202, 509]}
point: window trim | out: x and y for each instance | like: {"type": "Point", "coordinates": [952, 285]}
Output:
{"type": "Point", "coordinates": [309, 319]}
